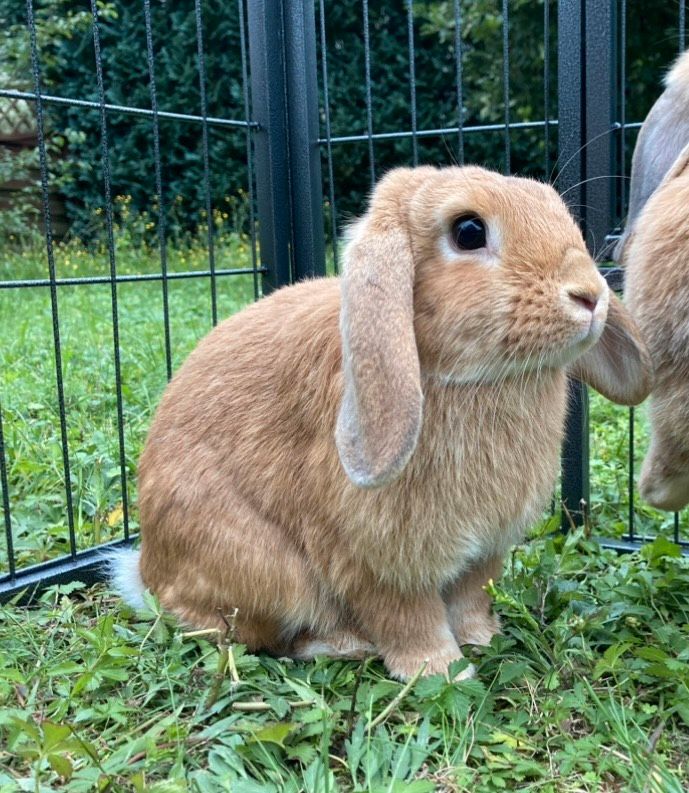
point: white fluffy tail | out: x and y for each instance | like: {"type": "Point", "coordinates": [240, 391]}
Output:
{"type": "Point", "coordinates": [124, 575]}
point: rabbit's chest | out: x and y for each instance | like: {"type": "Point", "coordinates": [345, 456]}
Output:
{"type": "Point", "coordinates": [483, 472]}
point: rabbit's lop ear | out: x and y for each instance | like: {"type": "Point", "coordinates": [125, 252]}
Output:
{"type": "Point", "coordinates": [380, 415]}
{"type": "Point", "coordinates": [618, 365]}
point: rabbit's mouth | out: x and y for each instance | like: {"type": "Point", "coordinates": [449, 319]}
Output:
{"type": "Point", "coordinates": [588, 335]}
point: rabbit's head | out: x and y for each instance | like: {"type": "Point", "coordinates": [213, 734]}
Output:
{"type": "Point", "coordinates": [462, 275]}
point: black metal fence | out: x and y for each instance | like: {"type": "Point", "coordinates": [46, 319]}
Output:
{"type": "Point", "coordinates": [294, 157]}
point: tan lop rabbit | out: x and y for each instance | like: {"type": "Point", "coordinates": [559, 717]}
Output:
{"type": "Point", "coordinates": [347, 461]}
{"type": "Point", "coordinates": [655, 252]}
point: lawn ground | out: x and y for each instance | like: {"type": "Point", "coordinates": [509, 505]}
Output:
{"type": "Point", "coordinates": [586, 690]}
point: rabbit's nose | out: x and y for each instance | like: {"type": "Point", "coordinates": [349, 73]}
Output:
{"type": "Point", "coordinates": [587, 298]}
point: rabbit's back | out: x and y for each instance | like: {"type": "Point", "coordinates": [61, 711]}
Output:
{"type": "Point", "coordinates": [251, 405]}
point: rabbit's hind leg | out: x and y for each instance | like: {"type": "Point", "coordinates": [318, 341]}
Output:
{"type": "Point", "coordinates": [469, 605]}
{"type": "Point", "coordinates": [235, 572]}
{"type": "Point", "coordinates": [344, 644]}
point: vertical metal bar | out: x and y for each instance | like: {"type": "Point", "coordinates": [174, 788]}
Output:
{"type": "Point", "coordinates": [105, 153]}
{"type": "Point", "coordinates": [630, 527]}
{"type": "Point", "coordinates": [571, 135]}
{"type": "Point", "coordinates": [682, 46]}
{"type": "Point", "coordinates": [268, 101]}
{"type": "Point", "coordinates": [412, 80]}
{"type": "Point", "coordinates": [623, 110]}
{"type": "Point", "coordinates": [546, 85]}
{"type": "Point", "coordinates": [249, 146]}
{"type": "Point", "coordinates": [575, 457]}
{"type": "Point", "coordinates": [206, 163]}
{"type": "Point", "coordinates": [599, 189]}
{"type": "Point", "coordinates": [6, 503]}
{"type": "Point", "coordinates": [571, 108]}
{"type": "Point", "coordinates": [162, 231]}
{"type": "Point", "coordinates": [506, 80]}
{"type": "Point", "coordinates": [306, 187]}
{"type": "Point", "coordinates": [47, 219]}
{"type": "Point", "coordinates": [369, 112]}
{"type": "Point", "coordinates": [282, 52]}
{"type": "Point", "coordinates": [328, 134]}
{"type": "Point", "coordinates": [585, 113]}
{"type": "Point", "coordinates": [458, 81]}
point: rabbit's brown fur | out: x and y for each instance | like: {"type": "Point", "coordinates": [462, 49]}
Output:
{"type": "Point", "coordinates": [655, 252]}
{"type": "Point", "coordinates": [358, 502]}
{"type": "Point", "coordinates": [657, 289]}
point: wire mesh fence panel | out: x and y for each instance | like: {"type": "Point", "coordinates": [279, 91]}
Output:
{"type": "Point", "coordinates": [203, 155]}
{"type": "Point", "coordinates": [417, 83]}
{"type": "Point", "coordinates": [162, 244]}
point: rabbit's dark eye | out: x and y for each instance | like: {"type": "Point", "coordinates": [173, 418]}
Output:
{"type": "Point", "coordinates": [469, 233]}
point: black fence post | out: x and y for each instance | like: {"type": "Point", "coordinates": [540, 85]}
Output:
{"type": "Point", "coordinates": [585, 112]}
{"type": "Point", "coordinates": [599, 154]}
{"type": "Point", "coordinates": [267, 63]}
{"type": "Point", "coordinates": [284, 94]}
{"type": "Point", "coordinates": [306, 186]}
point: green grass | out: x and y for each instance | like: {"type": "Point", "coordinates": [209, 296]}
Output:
{"type": "Point", "coordinates": [28, 383]}
{"type": "Point", "coordinates": [609, 472]}
{"type": "Point", "coordinates": [587, 690]}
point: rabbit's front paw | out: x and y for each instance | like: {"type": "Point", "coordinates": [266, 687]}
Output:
{"type": "Point", "coordinates": [404, 667]}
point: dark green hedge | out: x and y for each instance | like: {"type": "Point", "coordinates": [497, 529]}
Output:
{"type": "Point", "coordinates": [70, 71]}
{"type": "Point", "coordinates": [126, 79]}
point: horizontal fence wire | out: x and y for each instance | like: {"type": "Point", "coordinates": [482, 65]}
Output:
{"type": "Point", "coordinates": [437, 132]}
{"type": "Point", "coordinates": [36, 96]}
{"type": "Point", "coordinates": [129, 278]}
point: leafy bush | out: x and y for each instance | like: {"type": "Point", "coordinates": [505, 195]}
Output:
{"type": "Point", "coordinates": [130, 138]}
{"type": "Point", "coordinates": [69, 68]}
{"type": "Point", "coordinates": [55, 24]}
